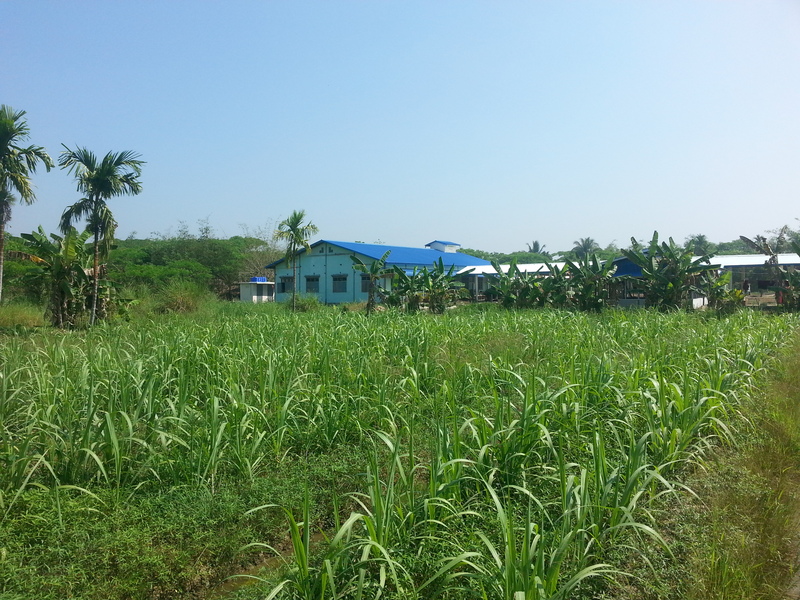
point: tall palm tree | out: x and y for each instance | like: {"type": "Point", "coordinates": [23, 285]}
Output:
{"type": "Point", "coordinates": [536, 247]}
{"type": "Point", "coordinates": [699, 244]}
{"type": "Point", "coordinates": [584, 247]}
{"type": "Point", "coordinates": [16, 165]}
{"type": "Point", "coordinates": [117, 174]}
{"type": "Point", "coordinates": [295, 233]}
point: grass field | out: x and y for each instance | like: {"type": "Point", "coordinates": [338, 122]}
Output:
{"type": "Point", "coordinates": [483, 453]}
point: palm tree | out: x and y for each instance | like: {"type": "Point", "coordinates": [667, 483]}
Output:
{"type": "Point", "coordinates": [537, 248]}
{"type": "Point", "coordinates": [699, 244]}
{"type": "Point", "coordinates": [295, 233]}
{"type": "Point", "coordinates": [584, 247]}
{"type": "Point", "coordinates": [16, 165]}
{"type": "Point", "coordinates": [117, 174]}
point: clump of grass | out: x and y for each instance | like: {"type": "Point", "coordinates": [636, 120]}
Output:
{"type": "Point", "coordinates": [175, 297]}
{"type": "Point", "coordinates": [173, 542]}
{"type": "Point", "coordinates": [346, 307]}
{"type": "Point", "coordinates": [21, 314]}
{"type": "Point", "coordinates": [303, 304]}
{"type": "Point", "coordinates": [182, 297]}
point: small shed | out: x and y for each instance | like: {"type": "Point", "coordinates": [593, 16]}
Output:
{"type": "Point", "coordinates": [258, 289]}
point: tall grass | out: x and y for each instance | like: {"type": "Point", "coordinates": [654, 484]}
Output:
{"type": "Point", "coordinates": [21, 314]}
{"type": "Point", "coordinates": [546, 433]}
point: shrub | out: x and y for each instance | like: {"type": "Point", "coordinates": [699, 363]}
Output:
{"type": "Point", "coordinates": [182, 297]}
{"type": "Point", "coordinates": [303, 303]}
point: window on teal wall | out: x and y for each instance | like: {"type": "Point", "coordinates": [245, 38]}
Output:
{"type": "Point", "coordinates": [286, 285]}
{"type": "Point", "coordinates": [312, 284]}
{"type": "Point", "coordinates": [339, 284]}
{"type": "Point", "coordinates": [365, 284]}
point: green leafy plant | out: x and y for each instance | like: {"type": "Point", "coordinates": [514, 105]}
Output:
{"type": "Point", "coordinates": [437, 286]}
{"type": "Point", "coordinates": [408, 287]}
{"type": "Point", "coordinates": [62, 267]}
{"type": "Point", "coordinates": [669, 272]}
{"type": "Point", "coordinates": [590, 281]}
{"type": "Point", "coordinates": [375, 271]}
{"type": "Point", "coordinates": [440, 286]}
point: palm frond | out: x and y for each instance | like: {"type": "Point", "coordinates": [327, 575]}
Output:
{"type": "Point", "coordinates": [74, 213]}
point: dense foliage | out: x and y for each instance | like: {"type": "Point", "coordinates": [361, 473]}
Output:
{"type": "Point", "coordinates": [217, 264]}
{"type": "Point", "coordinates": [141, 268]}
{"type": "Point", "coordinates": [587, 283]}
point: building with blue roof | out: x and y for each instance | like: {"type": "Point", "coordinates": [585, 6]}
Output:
{"type": "Point", "coordinates": [326, 270]}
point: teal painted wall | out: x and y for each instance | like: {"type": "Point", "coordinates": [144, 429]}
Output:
{"type": "Point", "coordinates": [324, 261]}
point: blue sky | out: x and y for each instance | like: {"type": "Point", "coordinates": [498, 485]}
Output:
{"type": "Point", "coordinates": [491, 124]}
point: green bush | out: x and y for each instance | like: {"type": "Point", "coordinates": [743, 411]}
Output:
{"type": "Point", "coordinates": [303, 303]}
{"type": "Point", "coordinates": [181, 296]}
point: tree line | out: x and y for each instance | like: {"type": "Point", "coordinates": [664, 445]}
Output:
{"type": "Point", "coordinates": [697, 243]}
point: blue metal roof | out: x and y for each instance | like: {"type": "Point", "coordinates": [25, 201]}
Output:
{"type": "Point", "coordinates": [626, 267]}
{"type": "Point", "coordinates": [442, 242]}
{"type": "Point", "coordinates": [402, 255]}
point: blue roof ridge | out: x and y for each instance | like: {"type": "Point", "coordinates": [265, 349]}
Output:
{"type": "Point", "coordinates": [401, 254]}
{"type": "Point", "coordinates": [443, 242]}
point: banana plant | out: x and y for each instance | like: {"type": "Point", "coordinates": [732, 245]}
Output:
{"type": "Point", "coordinates": [505, 284]}
{"type": "Point", "coordinates": [590, 281]}
{"type": "Point", "coordinates": [555, 288]}
{"type": "Point", "coordinates": [717, 289]}
{"type": "Point", "coordinates": [376, 271]}
{"type": "Point", "coordinates": [441, 287]}
{"type": "Point", "coordinates": [437, 286]}
{"type": "Point", "coordinates": [669, 272]}
{"type": "Point", "coordinates": [788, 279]}
{"type": "Point", "coordinates": [62, 263]}
{"type": "Point", "coordinates": [518, 289]}
{"type": "Point", "coordinates": [409, 286]}
{"type": "Point", "coordinates": [770, 249]}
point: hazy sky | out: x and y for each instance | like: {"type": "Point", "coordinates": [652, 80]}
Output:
{"type": "Point", "coordinates": [491, 124]}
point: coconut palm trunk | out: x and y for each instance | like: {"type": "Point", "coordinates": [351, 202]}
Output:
{"type": "Point", "coordinates": [294, 283]}
{"type": "Point", "coordinates": [5, 216]}
{"type": "Point", "coordinates": [95, 273]}
{"type": "Point", "coordinates": [2, 252]}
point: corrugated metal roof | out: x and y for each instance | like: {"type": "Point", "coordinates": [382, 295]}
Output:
{"type": "Point", "coordinates": [525, 268]}
{"type": "Point", "coordinates": [725, 261]}
{"type": "Point", "coordinates": [626, 267]}
{"type": "Point", "coordinates": [752, 260]}
{"type": "Point", "coordinates": [442, 242]}
{"type": "Point", "coordinates": [401, 255]}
